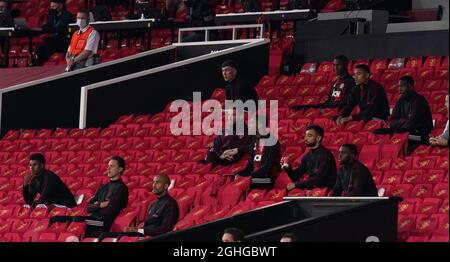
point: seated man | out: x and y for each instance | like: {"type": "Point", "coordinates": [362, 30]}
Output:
{"type": "Point", "coordinates": [263, 158]}
{"type": "Point", "coordinates": [229, 147]}
{"type": "Point", "coordinates": [51, 188]}
{"type": "Point", "coordinates": [107, 203]}
{"type": "Point", "coordinates": [373, 102]}
{"type": "Point", "coordinates": [441, 140]}
{"type": "Point", "coordinates": [343, 93]}
{"type": "Point", "coordinates": [251, 6]}
{"type": "Point", "coordinates": [411, 114]}
{"type": "Point", "coordinates": [176, 10]}
{"type": "Point", "coordinates": [57, 26]}
{"type": "Point", "coordinates": [6, 19]}
{"type": "Point", "coordinates": [163, 213]}
{"type": "Point", "coordinates": [318, 167]}
{"type": "Point", "coordinates": [84, 44]}
{"type": "Point", "coordinates": [200, 14]}
{"type": "Point", "coordinates": [353, 179]}
{"type": "Point", "coordinates": [237, 87]}
{"type": "Point", "coordinates": [232, 235]}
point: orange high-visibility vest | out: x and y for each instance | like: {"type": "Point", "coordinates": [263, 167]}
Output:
{"type": "Point", "coordinates": [79, 41]}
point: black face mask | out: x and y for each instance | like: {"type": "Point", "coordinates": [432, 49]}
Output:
{"type": "Point", "coordinates": [52, 11]}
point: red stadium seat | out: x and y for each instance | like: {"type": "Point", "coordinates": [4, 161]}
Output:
{"type": "Point", "coordinates": [325, 67]}
{"type": "Point", "coordinates": [275, 195]}
{"type": "Point", "coordinates": [309, 68]}
{"type": "Point", "coordinates": [425, 73]}
{"type": "Point", "coordinates": [442, 228]}
{"type": "Point", "coordinates": [441, 191]}
{"type": "Point", "coordinates": [401, 190]}
{"type": "Point", "coordinates": [333, 6]}
{"type": "Point", "coordinates": [284, 81]}
{"type": "Point", "coordinates": [425, 224]}
{"type": "Point", "coordinates": [47, 237]}
{"type": "Point", "coordinates": [392, 177]}
{"type": "Point", "coordinates": [429, 206]}
{"type": "Point", "coordinates": [422, 191]}
{"type": "Point", "coordinates": [406, 207]}
{"type": "Point", "coordinates": [406, 223]}
{"type": "Point", "coordinates": [432, 61]}
{"type": "Point", "coordinates": [412, 177]}
{"type": "Point", "coordinates": [378, 65]}
{"type": "Point", "coordinates": [424, 162]}
{"type": "Point", "coordinates": [369, 155]}
{"type": "Point", "coordinates": [415, 62]}
{"type": "Point", "coordinates": [301, 80]}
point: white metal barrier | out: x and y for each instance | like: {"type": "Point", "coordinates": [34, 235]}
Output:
{"type": "Point", "coordinates": [208, 29]}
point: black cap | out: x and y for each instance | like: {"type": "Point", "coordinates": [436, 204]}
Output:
{"type": "Point", "coordinates": [58, 1]}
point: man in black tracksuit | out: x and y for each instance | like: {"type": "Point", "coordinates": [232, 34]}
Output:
{"type": "Point", "coordinates": [264, 158]}
{"type": "Point", "coordinates": [200, 14]}
{"type": "Point", "coordinates": [51, 188]}
{"type": "Point", "coordinates": [411, 114]}
{"type": "Point", "coordinates": [237, 88]}
{"type": "Point", "coordinates": [57, 25]}
{"type": "Point", "coordinates": [231, 146]}
{"type": "Point", "coordinates": [107, 203]}
{"type": "Point", "coordinates": [343, 94]}
{"type": "Point", "coordinates": [372, 101]}
{"type": "Point", "coordinates": [163, 213]}
{"type": "Point", "coordinates": [353, 179]}
{"type": "Point", "coordinates": [318, 167]}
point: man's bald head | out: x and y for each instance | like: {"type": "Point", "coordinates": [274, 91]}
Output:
{"type": "Point", "coordinates": [161, 185]}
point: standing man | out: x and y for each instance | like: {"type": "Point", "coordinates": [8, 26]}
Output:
{"type": "Point", "coordinates": [318, 167]}
{"type": "Point", "coordinates": [372, 102]}
{"type": "Point", "coordinates": [47, 184]}
{"type": "Point", "coordinates": [353, 179]}
{"type": "Point", "coordinates": [84, 44]}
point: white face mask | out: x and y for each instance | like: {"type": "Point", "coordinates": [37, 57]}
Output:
{"type": "Point", "coordinates": [81, 23]}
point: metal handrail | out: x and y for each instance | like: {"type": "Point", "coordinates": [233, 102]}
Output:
{"type": "Point", "coordinates": [207, 29]}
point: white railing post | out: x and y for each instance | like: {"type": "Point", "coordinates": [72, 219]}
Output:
{"type": "Point", "coordinates": [83, 108]}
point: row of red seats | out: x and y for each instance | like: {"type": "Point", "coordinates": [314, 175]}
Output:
{"type": "Point", "coordinates": [106, 143]}
{"type": "Point", "coordinates": [411, 176]}
{"type": "Point", "coordinates": [423, 76]}
{"type": "Point", "coordinates": [382, 64]}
